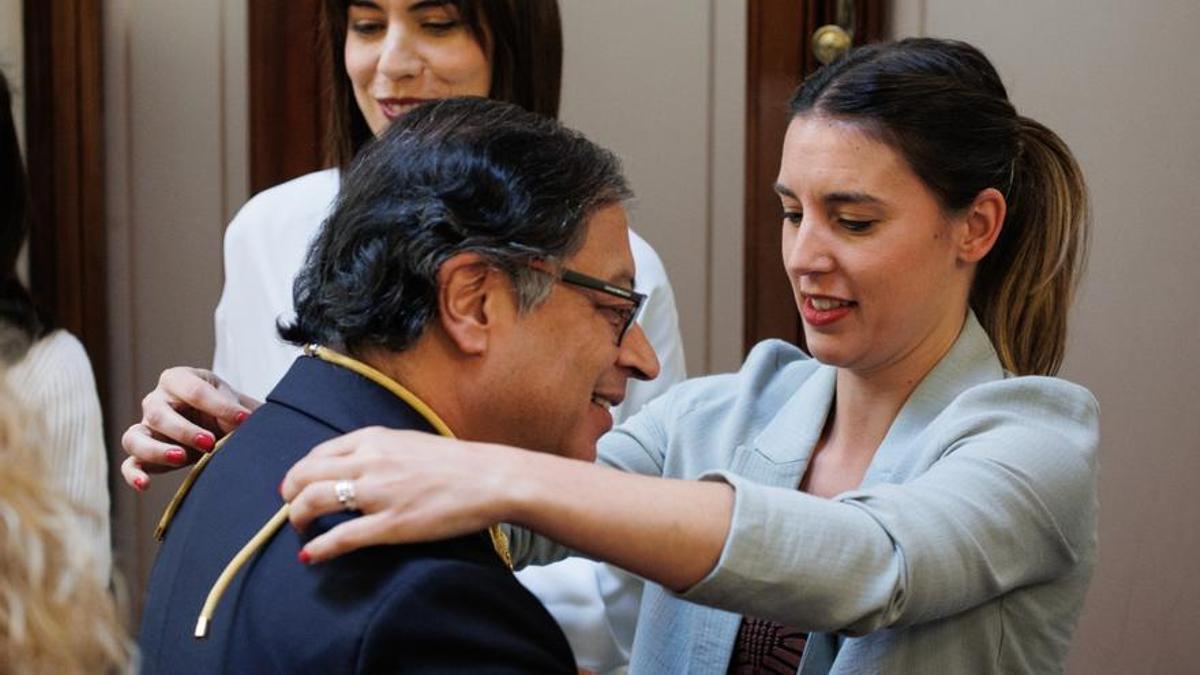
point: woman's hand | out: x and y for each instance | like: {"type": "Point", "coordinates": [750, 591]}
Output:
{"type": "Point", "coordinates": [413, 486]}
{"type": "Point", "coordinates": [410, 486]}
{"type": "Point", "coordinates": [184, 416]}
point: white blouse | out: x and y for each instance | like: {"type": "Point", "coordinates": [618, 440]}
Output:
{"type": "Point", "coordinates": [265, 246]}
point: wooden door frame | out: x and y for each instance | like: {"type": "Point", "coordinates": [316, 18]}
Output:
{"type": "Point", "coordinates": [289, 91]}
{"type": "Point", "coordinates": [64, 141]}
{"type": "Point", "coordinates": [779, 55]}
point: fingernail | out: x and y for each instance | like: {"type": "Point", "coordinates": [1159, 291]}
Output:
{"type": "Point", "coordinates": [281, 487]}
{"type": "Point", "coordinates": [176, 456]}
{"type": "Point", "coordinates": [204, 441]}
{"type": "Point", "coordinates": [304, 557]}
{"type": "Point", "coordinates": [139, 483]}
{"type": "Point", "coordinates": [241, 417]}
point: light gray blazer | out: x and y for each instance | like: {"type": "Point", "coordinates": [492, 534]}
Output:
{"type": "Point", "coordinates": [967, 548]}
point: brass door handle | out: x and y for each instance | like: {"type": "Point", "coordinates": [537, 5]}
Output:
{"type": "Point", "coordinates": [832, 40]}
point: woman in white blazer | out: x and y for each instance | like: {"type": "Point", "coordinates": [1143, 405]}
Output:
{"type": "Point", "coordinates": [916, 494]}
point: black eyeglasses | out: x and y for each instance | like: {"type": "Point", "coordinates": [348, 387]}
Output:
{"type": "Point", "coordinates": [623, 317]}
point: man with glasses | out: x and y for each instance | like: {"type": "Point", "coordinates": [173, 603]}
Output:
{"type": "Point", "coordinates": [473, 280]}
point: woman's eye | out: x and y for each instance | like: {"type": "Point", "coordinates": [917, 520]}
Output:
{"type": "Point", "coordinates": [856, 225]}
{"type": "Point", "coordinates": [793, 217]}
{"type": "Point", "coordinates": [367, 28]}
{"type": "Point", "coordinates": [440, 27]}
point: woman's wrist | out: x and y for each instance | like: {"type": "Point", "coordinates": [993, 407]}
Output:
{"type": "Point", "coordinates": [519, 483]}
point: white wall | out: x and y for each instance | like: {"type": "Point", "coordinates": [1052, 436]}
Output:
{"type": "Point", "coordinates": [1119, 82]}
{"type": "Point", "coordinates": [662, 84]}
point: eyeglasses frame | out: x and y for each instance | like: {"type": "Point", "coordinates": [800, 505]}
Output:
{"type": "Point", "coordinates": [568, 276]}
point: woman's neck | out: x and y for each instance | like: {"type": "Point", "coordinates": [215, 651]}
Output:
{"type": "Point", "coordinates": [865, 405]}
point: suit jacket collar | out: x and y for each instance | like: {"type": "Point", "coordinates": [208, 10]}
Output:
{"type": "Point", "coordinates": [342, 399]}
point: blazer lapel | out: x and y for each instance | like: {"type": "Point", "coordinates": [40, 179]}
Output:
{"type": "Point", "coordinates": [970, 361]}
{"type": "Point", "coordinates": [780, 454]}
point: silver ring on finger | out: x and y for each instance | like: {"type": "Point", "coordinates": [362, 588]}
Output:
{"type": "Point", "coordinates": [344, 489]}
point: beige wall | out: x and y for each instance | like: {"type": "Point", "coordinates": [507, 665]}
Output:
{"type": "Point", "coordinates": [661, 84]}
{"type": "Point", "coordinates": [12, 58]}
{"type": "Point", "coordinates": [12, 62]}
{"type": "Point", "coordinates": [175, 137]}
{"type": "Point", "coordinates": [1119, 81]}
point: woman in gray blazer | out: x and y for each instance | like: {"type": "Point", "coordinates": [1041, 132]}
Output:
{"type": "Point", "coordinates": [915, 494]}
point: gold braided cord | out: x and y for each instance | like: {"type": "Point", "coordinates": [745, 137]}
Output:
{"type": "Point", "coordinates": [169, 513]}
{"type": "Point", "coordinates": [259, 540]}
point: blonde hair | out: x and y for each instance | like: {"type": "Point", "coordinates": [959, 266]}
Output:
{"type": "Point", "coordinates": [56, 614]}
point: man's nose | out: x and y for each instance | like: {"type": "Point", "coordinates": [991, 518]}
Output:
{"type": "Point", "coordinates": [637, 355]}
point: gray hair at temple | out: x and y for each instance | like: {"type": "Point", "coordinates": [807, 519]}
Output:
{"type": "Point", "coordinates": [452, 176]}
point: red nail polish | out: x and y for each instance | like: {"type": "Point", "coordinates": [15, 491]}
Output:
{"type": "Point", "coordinates": [204, 441]}
{"type": "Point", "coordinates": [241, 417]}
{"type": "Point", "coordinates": [304, 557]}
{"type": "Point", "coordinates": [139, 483]}
{"type": "Point", "coordinates": [176, 456]}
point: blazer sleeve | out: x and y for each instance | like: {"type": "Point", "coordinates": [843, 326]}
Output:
{"type": "Point", "coordinates": [459, 617]}
{"type": "Point", "coordinates": [1010, 502]}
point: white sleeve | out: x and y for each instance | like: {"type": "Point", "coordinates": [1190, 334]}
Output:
{"type": "Point", "coordinates": [225, 364]}
{"type": "Point", "coordinates": [231, 309]}
{"type": "Point", "coordinates": [597, 604]}
{"type": "Point", "coordinates": [660, 321]}
{"type": "Point", "coordinates": [58, 384]}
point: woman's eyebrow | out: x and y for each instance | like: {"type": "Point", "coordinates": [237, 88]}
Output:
{"type": "Point", "coordinates": [784, 191]}
{"type": "Point", "coordinates": [428, 4]}
{"type": "Point", "coordinates": [852, 198]}
{"type": "Point", "coordinates": [835, 197]}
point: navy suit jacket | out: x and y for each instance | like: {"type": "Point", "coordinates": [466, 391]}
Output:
{"type": "Point", "coordinates": [447, 606]}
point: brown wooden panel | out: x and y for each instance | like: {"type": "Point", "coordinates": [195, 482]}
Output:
{"type": "Point", "coordinates": [779, 57]}
{"type": "Point", "coordinates": [64, 111]}
{"type": "Point", "coordinates": [288, 91]}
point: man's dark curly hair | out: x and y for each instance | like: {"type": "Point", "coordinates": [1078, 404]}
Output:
{"type": "Point", "coordinates": [452, 176]}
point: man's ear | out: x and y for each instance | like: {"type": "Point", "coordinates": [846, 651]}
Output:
{"type": "Point", "coordinates": [468, 293]}
{"type": "Point", "coordinates": [983, 222]}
